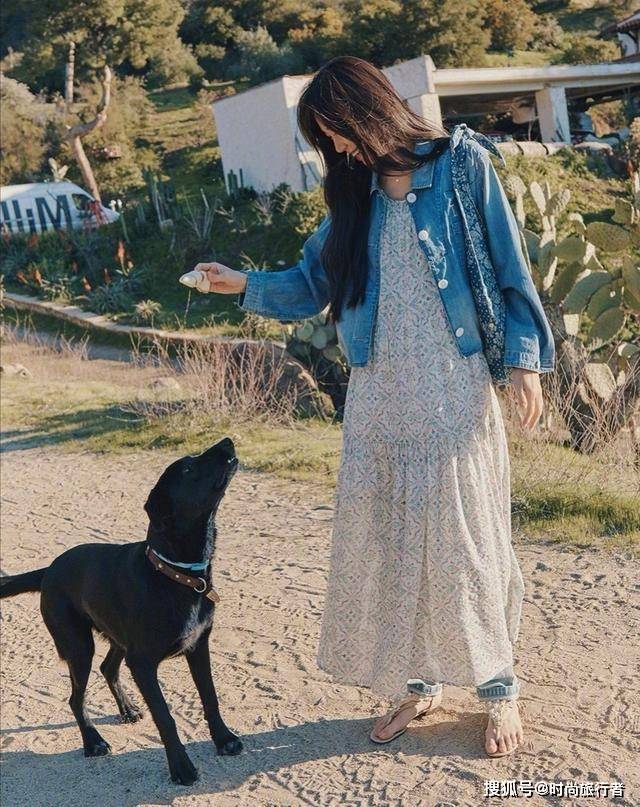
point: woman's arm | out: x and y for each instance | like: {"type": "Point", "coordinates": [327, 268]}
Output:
{"type": "Point", "coordinates": [291, 294]}
{"type": "Point", "coordinates": [288, 295]}
{"type": "Point", "coordinates": [529, 340]}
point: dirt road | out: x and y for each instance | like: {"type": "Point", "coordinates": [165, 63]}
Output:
{"type": "Point", "coordinates": [305, 738]}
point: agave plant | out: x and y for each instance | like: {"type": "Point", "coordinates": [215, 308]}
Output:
{"type": "Point", "coordinates": [589, 281]}
{"type": "Point", "coordinates": [146, 311]}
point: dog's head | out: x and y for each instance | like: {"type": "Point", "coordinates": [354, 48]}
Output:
{"type": "Point", "coordinates": [192, 488]}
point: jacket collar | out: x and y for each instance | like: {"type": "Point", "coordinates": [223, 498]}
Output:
{"type": "Point", "coordinates": [422, 177]}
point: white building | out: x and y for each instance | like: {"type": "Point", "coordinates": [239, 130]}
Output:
{"type": "Point", "coordinates": [261, 144]}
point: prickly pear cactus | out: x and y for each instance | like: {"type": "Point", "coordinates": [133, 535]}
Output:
{"type": "Point", "coordinates": [592, 276]}
{"type": "Point", "coordinates": [570, 269]}
{"type": "Point", "coordinates": [315, 343]}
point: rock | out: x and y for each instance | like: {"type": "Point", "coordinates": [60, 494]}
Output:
{"type": "Point", "coordinates": [509, 147]}
{"type": "Point", "coordinates": [597, 146]}
{"type": "Point", "coordinates": [15, 369]}
{"type": "Point", "coordinates": [166, 382]}
{"type": "Point", "coordinates": [532, 148]}
{"type": "Point", "coordinates": [292, 377]}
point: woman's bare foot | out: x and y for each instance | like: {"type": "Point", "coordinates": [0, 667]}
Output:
{"type": "Point", "coordinates": [399, 717]}
{"type": "Point", "coordinates": [504, 731]}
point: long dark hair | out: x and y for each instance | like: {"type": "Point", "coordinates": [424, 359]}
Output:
{"type": "Point", "coordinates": [355, 99]}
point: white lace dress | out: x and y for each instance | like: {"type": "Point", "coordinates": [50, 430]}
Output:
{"type": "Point", "coordinates": [423, 580]}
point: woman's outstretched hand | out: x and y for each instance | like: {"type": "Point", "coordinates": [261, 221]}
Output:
{"type": "Point", "coordinates": [222, 279]}
{"type": "Point", "coordinates": [528, 396]}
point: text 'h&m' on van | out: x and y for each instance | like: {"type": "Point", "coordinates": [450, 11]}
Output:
{"type": "Point", "coordinates": [40, 206]}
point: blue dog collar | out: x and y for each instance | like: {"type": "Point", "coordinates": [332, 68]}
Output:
{"type": "Point", "coordinates": [197, 567]}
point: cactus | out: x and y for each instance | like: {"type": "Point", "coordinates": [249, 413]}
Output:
{"type": "Point", "coordinates": [576, 301]}
{"type": "Point", "coordinates": [625, 212]}
{"type": "Point", "coordinates": [315, 343]}
{"type": "Point", "coordinates": [608, 237]}
{"type": "Point", "coordinates": [608, 325]}
{"type": "Point", "coordinates": [557, 203]}
{"type": "Point", "coordinates": [608, 296]}
{"type": "Point", "coordinates": [592, 276]}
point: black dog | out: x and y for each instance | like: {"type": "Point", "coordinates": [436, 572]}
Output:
{"type": "Point", "coordinates": [147, 608]}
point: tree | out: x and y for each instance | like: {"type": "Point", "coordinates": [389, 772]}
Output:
{"type": "Point", "coordinates": [103, 35]}
{"type": "Point", "coordinates": [117, 33]}
{"type": "Point", "coordinates": [387, 31]}
{"type": "Point", "coordinates": [80, 130]}
{"type": "Point", "coordinates": [511, 24]}
{"type": "Point", "coordinates": [23, 126]}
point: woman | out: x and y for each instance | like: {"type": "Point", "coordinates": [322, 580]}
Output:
{"type": "Point", "coordinates": [424, 587]}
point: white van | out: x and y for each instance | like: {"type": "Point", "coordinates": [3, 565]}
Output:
{"type": "Point", "coordinates": [41, 206]}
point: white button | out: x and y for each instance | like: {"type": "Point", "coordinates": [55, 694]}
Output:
{"type": "Point", "coordinates": [411, 197]}
{"type": "Point", "coordinates": [459, 331]}
{"type": "Point", "coordinates": [423, 235]}
{"type": "Point", "coordinates": [443, 283]}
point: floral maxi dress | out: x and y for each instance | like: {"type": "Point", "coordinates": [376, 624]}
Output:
{"type": "Point", "coordinates": [423, 579]}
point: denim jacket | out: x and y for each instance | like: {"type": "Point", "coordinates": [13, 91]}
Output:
{"type": "Point", "coordinates": [443, 216]}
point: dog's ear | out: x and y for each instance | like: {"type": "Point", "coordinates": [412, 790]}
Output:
{"type": "Point", "coordinates": [158, 507]}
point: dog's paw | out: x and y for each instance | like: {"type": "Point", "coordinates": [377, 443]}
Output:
{"type": "Point", "coordinates": [131, 714]}
{"type": "Point", "coordinates": [98, 748]}
{"type": "Point", "coordinates": [230, 746]}
{"type": "Point", "coordinates": [183, 771]}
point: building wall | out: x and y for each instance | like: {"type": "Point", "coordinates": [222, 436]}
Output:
{"type": "Point", "coordinates": [255, 134]}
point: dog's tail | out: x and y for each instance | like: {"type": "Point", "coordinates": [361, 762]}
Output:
{"type": "Point", "coordinates": [20, 583]}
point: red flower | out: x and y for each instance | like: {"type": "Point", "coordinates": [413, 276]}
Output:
{"type": "Point", "coordinates": [121, 253]}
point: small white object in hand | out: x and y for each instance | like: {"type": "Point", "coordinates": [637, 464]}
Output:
{"type": "Point", "coordinates": [195, 280]}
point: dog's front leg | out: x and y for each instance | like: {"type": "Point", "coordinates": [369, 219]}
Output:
{"type": "Point", "coordinates": [199, 661]}
{"type": "Point", "coordinates": [145, 674]}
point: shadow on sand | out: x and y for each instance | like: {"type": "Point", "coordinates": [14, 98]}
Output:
{"type": "Point", "coordinates": [130, 778]}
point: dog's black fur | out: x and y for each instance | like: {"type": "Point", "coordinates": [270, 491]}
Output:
{"type": "Point", "coordinates": [146, 617]}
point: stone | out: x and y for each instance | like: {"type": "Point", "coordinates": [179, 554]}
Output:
{"type": "Point", "coordinates": [15, 369]}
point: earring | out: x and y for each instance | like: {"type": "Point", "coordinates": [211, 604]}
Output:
{"type": "Point", "coordinates": [349, 161]}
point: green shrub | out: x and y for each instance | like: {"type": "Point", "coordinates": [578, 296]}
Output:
{"type": "Point", "coordinates": [23, 133]}
{"type": "Point", "coordinates": [579, 48]}
{"type": "Point", "coordinates": [260, 58]}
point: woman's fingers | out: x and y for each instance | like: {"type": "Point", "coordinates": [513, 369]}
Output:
{"type": "Point", "coordinates": [528, 397]}
{"type": "Point", "coordinates": [222, 279]}
{"type": "Point", "coordinates": [208, 267]}
{"type": "Point", "coordinates": [216, 275]}
{"type": "Point", "coordinates": [534, 405]}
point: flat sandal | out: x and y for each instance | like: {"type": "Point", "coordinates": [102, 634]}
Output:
{"type": "Point", "coordinates": [411, 700]}
{"type": "Point", "coordinates": [497, 710]}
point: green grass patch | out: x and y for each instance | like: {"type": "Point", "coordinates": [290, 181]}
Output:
{"type": "Point", "coordinates": [583, 516]}
{"type": "Point", "coordinates": [91, 415]}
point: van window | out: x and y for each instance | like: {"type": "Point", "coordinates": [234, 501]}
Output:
{"type": "Point", "coordinates": [81, 202]}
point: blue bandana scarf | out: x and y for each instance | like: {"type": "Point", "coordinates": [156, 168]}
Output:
{"type": "Point", "coordinates": [488, 298]}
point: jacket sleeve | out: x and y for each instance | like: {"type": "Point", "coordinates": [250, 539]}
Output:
{"type": "Point", "coordinates": [291, 294]}
{"type": "Point", "coordinates": [529, 340]}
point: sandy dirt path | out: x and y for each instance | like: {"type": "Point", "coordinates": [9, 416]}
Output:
{"type": "Point", "coordinates": [305, 738]}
